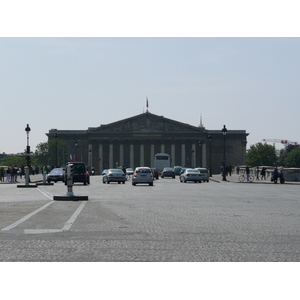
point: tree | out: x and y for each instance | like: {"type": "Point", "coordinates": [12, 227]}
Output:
{"type": "Point", "coordinates": [261, 155]}
{"type": "Point", "coordinates": [45, 153]}
{"type": "Point", "coordinates": [13, 160]}
{"type": "Point", "coordinates": [293, 158]}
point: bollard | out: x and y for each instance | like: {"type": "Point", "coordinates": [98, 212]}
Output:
{"type": "Point", "coordinates": [26, 175]}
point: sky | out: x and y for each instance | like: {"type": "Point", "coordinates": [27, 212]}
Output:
{"type": "Point", "coordinates": [71, 82]}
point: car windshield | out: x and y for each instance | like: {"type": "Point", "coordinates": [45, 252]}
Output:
{"type": "Point", "coordinates": [203, 171]}
{"type": "Point", "coordinates": [56, 171]}
{"type": "Point", "coordinates": [116, 171]}
{"type": "Point", "coordinates": [143, 171]}
{"type": "Point", "coordinates": [168, 169]}
{"type": "Point", "coordinates": [192, 171]}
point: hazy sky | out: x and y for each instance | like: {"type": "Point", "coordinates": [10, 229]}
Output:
{"type": "Point", "coordinates": [76, 83]}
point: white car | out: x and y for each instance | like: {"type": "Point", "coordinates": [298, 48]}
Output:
{"type": "Point", "coordinates": [142, 175]}
{"type": "Point", "coordinates": [190, 175]}
{"type": "Point", "coordinates": [204, 174]}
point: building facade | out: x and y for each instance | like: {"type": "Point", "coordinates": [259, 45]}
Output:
{"type": "Point", "coordinates": [134, 142]}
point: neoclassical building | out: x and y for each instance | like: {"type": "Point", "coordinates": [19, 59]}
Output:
{"type": "Point", "coordinates": [134, 141]}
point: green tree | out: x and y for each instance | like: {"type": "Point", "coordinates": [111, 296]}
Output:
{"type": "Point", "coordinates": [293, 158]}
{"type": "Point", "coordinates": [14, 160]}
{"type": "Point", "coordinates": [46, 153]}
{"type": "Point", "coordinates": [261, 155]}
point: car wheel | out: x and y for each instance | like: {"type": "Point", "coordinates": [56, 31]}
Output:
{"type": "Point", "coordinates": [133, 183]}
{"type": "Point", "coordinates": [123, 182]}
{"type": "Point", "coordinates": [150, 183]}
{"type": "Point", "coordinates": [119, 182]}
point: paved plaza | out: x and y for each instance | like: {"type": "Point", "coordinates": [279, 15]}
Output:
{"type": "Point", "coordinates": [169, 222]}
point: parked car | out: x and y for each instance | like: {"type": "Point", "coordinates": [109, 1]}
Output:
{"type": "Point", "coordinates": [167, 172]}
{"type": "Point", "coordinates": [80, 173]}
{"type": "Point", "coordinates": [204, 174]}
{"type": "Point", "coordinates": [142, 175]}
{"type": "Point", "coordinates": [155, 172]}
{"type": "Point", "coordinates": [114, 175]}
{"type": "Point", "coordinates": [129, 171]}
{"type": "Point", "coordinates": [190, 175]}
{"type": "Point", "coordinates": [177, 170]}
{"type": "Point", "coordinates": [57, 174]}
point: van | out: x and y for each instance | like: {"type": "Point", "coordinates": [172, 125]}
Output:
{"type": "Point", "coordinates": [80, 173]}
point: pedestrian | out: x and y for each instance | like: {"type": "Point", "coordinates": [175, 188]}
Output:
{"type": "Point", "coordinates": [8, 174]}
{"type": "Point", "coordinates": [230, 170]}
{"type": "Point", "coordinates": [247, 172]}
{"type": "Point", "coordinates": [281, 178]}
{"type": "Point", "coordinates": [15, 174]}
{"type": "Point", "coordinates": [263, 173]}
{"type": "Point", "coordinates": [275, 175]}
{"type": "Point", "coordinates": [2, 174]}
{"type": "Point", "coordinates": [238, 169]}
{"type": "Point", "coordinates": [257, 173]}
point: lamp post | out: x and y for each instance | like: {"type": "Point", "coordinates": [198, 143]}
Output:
{"type": "Point", "coordinates": [56, 160]}
{"type": "Point", "coordinates": [90, 160]}
{"type": "Point", "coordinates": [210, 170]}
{"type": "Point", "coordinates": [27, 129]}
{"type": "Point", "coordinates": [224, 131]}
{"type": "Point", "coordinates": [200, 144]}
{"type": "Point", "coordinates": [76, 144]}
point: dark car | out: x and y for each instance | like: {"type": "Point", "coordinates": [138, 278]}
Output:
{"type": "Point", "coordinates": [57, 174]}
{"type": "Point", "coordinates": [177, 170]}
{"type": "Point", "coordinates": [167, 172]}
{"type": "Point", "coordinates": [155, 172]}
{"type": "Point", "coordinates": [80, 173]}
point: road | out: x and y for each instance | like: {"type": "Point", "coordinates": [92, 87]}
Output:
{"type": "Point", "coordinates": [169, 222]}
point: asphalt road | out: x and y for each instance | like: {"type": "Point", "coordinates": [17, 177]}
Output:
{"type": "Point", "coordinates": [169, 222]}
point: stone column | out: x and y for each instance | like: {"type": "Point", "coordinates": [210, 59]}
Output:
{"type": "Point", "coordinates": [121, 155]}
{"type": "Point", "coordinates": [101, 158]}
{"type": "Point", "coordinates": [90, 158]}
{"type": "Point", "coordinates": [183, 155]}
{"type": "Point", "coordinates": [173, 155]}
{"type": "Point", "coordinates": [162, 148]}
{"type": "Point", "coordinates": [193, 156]}
{"type": "Point", "coordinates": [204, 162]}
{"type": "Point", "coordinates": [152, 155]}
{"type": "Point", "coordinates": [111, 155]}
{"type": "Point", "coordinates": [132, 156]}
{"type": "Point", "coordinates": [142, 160]}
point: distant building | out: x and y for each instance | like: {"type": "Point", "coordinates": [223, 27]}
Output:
{"type": "Point", "coordinates": [134, 141]}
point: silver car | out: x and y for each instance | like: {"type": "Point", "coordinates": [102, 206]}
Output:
{"type": "Point", "coordinates": [142, 175]}
{"type": "Point", "coordinates": [190, 175]}
{"type": "Point", "coordinates": [204, 174]}
{"type": "Point", "coordinates": [114, 175]}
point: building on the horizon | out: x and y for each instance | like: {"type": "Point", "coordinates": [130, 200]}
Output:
{"type": "Point", "coordinates": [134, 141]}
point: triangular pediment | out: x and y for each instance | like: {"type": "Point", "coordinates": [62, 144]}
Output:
{"type": "Point", "coordinates": [147, 122]}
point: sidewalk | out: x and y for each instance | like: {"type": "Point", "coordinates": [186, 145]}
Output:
{"type": "Point", "coordinates": [33, 179]}
{"type": "Point", "coordinates": [235, 179]}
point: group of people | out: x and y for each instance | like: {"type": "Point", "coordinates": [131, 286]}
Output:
{"type": "Point", "coordinates": [12, 173]}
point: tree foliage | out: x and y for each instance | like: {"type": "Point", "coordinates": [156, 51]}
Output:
{"type": "Point", "coordinates": [46, 153]}
{"type": "Point", "coordinates": [261, 155]}
{"type": "Point", "coordinates": [293, 158]}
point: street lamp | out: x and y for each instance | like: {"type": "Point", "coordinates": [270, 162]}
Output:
{"type": "Point", "coordinates": [56, 136]}
{"type": "Point", "coordinates": [27, 129]}
{"type": "Point", "coordinates": [224, 131]}
{"type": "Point", "coordinates": [200, 144]}
{"type": "Point", "coordinates": [210, 170]}
{"type": "Point", "coordinates": [76, 144]}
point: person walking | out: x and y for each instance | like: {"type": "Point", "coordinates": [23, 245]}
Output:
{"type": "Point", "coordinates": [263, 173]}
{"type": "Point", "coordinates": [247, 172]}
{"type": "Point", "coordinates": [257, 173]}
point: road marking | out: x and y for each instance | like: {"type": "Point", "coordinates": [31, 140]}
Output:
{"type": "Point", "coordinates": [70, 222]}
{"type": "Point", "coordinates": [66, 227]}
{"type": "Point", "coordinates": [26, 217]}
{"type": "Point", "coordinates": [46, 194]}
